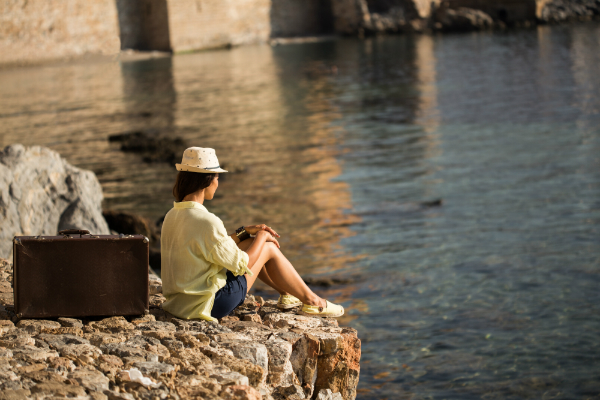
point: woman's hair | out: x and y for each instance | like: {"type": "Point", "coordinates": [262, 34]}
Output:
{"type": "Point", "coordinates": [190, 182]}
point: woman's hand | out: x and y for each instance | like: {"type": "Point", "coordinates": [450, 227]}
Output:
{"type": "Point", "coordinates": [267, 237]}
{"type": "Point", "coordinates": [254, 229]}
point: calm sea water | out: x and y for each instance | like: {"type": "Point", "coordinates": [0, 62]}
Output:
{"type": "Point", "coordinates": [346, 148]}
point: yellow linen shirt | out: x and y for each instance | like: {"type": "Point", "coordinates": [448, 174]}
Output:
{"type": "Point", "coordinates": [196, 253]}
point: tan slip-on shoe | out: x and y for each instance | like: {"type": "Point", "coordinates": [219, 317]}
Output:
{"type": "Point", "coordinates": [287, 301]}
{"type": "Point", "coordinates": [332, 310]}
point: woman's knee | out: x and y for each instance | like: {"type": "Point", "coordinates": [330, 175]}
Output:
{"type": "Point", "coordinates": [272, 249]}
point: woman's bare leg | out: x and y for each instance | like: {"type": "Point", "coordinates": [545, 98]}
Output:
{"type": "Point", "coordinates": [263, 274]}
{"type": "Point", "coordinates": [281, 274]}
{"type": "Point", "coordinates": [264, 277]}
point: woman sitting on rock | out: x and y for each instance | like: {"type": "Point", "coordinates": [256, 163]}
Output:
{"type": "Point", "coordinates": [206, 272]}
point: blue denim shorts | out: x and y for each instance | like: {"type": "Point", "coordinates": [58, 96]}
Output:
{"type": "Point", "coordinates": [229, 296]}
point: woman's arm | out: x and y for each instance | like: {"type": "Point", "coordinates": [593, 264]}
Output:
{"type": "Point", "coordinates": [253, 230]}
{"type": "Point", "coordinates": [235, 238]}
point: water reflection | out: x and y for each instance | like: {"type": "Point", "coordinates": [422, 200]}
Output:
{"type": "Point", "coordinates": [344, 147]}
{"type": "Point", "coordinates": [479, 296]}
{"type": "Point", "coordinates": [269, 119]}
{"type": "Point", "coordinates": [149, 95]}
{"type": "Point", "coordinates": [427, 115]}
{"type": "Point", "coordinates": [275, 132]}
{"type": "Point", "coordinates": [63, 106]}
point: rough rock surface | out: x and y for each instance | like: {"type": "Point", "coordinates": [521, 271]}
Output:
{"type": "Point", "coordinates": [41, 193]}
{"type": "Point", "coordinates": [463, 19]}
{"type": "Point", "coordinates": [353, 17]}
{"type": "Point", "coordinates": [360, 17]}
{"type": "Point", "coordinates": [37, 30]}
{"type": "Point", "coordinates": [259, 352]}
{"type": "Point", "coordinates": [349, 16]}
{"type": "Point", "coordinates": [564, 10]}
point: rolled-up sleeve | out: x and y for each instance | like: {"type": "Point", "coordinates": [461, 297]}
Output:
{"type": "Point", "coordinates": [227, 254]}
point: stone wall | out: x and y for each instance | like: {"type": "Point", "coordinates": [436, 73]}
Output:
{"type": "Point", "coordinates": [187, 25]}
{"type": "Point", "coordinates": [144, 25]}
{"type": "Point", "coordinates": [195, 24]}
{"type": "Point", "coordinates": [38, 30]}
{"type": "Point", "coordinates": [300, 18]}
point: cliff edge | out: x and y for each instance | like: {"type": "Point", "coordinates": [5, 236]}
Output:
{"type": "Point", "coordinates": [259, 352]}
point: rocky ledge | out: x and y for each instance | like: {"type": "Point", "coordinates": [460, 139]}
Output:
{"type": "Point", "coordinates": [258, 353]}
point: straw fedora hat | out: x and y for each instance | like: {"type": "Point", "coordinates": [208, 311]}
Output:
{"type": "Point", "coordinates": [198, 159]}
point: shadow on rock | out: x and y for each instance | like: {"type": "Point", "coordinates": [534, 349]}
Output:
{"type": "Point", "coordinates": [132, 224]}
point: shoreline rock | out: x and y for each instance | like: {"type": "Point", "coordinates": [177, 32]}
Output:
{"type": "Point", "coordinates": [259, 352]}
{"type": "Point", "coordinates": [362, 17]}
{"type": "Point", "coordinates": [463, 19]}
{"type": "Point", "coordinates": [152, 146]}
{"type": "Point", "coordinates": [557, 11]}
{"type": "Point", "coordinates": [41, 194]}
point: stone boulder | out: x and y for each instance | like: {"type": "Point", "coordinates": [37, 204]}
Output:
{"type": "Point", "coordinates": [350, 16]}
{"type": "Point", "coordinates": [41, 193]}
{"type": "Point", "coordinates": [463, 20]}
{"type": "Point", "coordinates": [564, 10]}
{"type": "Point", "coordinates": [391, 22]}
{"type": "Point", "coordinates": [357, 17]}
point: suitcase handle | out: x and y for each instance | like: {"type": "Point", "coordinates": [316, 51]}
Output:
{"type": "Point", "coordinates": [67, 232]}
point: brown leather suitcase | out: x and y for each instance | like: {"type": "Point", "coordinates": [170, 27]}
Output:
{"type": "Point", "coordinates": [77, 274]}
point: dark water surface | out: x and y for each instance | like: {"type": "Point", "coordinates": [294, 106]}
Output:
{"type": "Point", "coordinates": [344, 147]}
